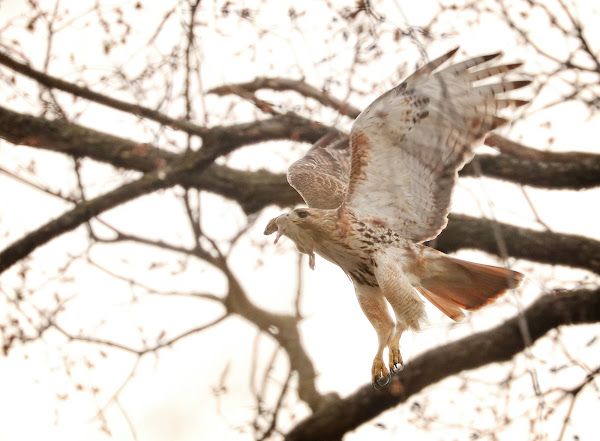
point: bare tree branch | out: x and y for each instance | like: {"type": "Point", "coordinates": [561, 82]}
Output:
{"type": "Point", "coordinates": [254, 190]}
{"type": "Point", "coordinates": [78, 215]}
{"type": "Point", "coordinates": [138, 351]}
{"type": "Point", "coordinates": [151, 181]}
{"type": "Point", "coordinates": [80, 141]}
{"type": "Point", "coordinates": [282, 84]}
{"type": "Point", "coordinates": [578, 174]}
{"type": "Point", "coordinates": [84, 92]}
{"type": "Point", "coordinates": [493, 346]}
{"type": "Point", "coordinates": [164, 69]}
{"type": "Point", "coordinates": [284, 329]}
{"type": "Point", "coordinates": [522, 243]}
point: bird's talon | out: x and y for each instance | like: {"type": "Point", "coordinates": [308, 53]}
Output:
{"type": "Point", "coordinates": [380, 382]}
{"type": "Point", "coordinates": [396, 363]}
{"type": "Point", "coordinates": [397, 368]}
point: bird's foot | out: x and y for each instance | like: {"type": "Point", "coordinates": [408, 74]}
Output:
{"type": "Point", "coordinates": [379, 383]}
{"type": "Point", "coordinates": [379, 374]}
{"type": "Point", "coordinates": [397, 368]}
{"type": "Point", "coordinates": [396, 362]}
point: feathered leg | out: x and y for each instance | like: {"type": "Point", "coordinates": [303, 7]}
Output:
{"type": "Point", "coordinates": [405, 301]}
{"type": "Point", "coordinates": [374, 306]}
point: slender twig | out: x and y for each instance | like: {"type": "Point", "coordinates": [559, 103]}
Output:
{"type": "Point", "coordinates": [86, 93]}
{"type": "Point", "coordinates": [281, 84]}
{"type": "Point", "coordinates": [194, 220]}
{"type": "Point", "coordinates": [585, 45]}
{"type": "Point", "coordinates": [151, 290]}
{"type": "Point", "coordinates": [278, 405]}
{"type": "Point", "coordinates": [533, 209]}
{"type": "Point", "coordinates": [574, 393]}
{"type": "Point", "coordinates": [22, 180]}
{"type": "Point", "coordinates": [137, 351]}
{"type": "Point", "coordinates": [115, 398]}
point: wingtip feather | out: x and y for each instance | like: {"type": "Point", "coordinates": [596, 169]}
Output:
{"type": "Point", "coordinates": [451, 52]}
{"type": "Point", "coordinates": [520, 84]}
{"type": "Point", "coordinates": [433, 64]}
{"type": "Point", "coordinates": [489, 57]}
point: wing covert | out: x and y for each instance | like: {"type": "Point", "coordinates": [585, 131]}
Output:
{"type": "Point", "coordinates": [409, 144]}
{"type": "Point", "coordinates": [321, 175]}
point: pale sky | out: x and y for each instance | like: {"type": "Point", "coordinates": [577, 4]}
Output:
{"type": "Point", "coordinates": [170, 395]}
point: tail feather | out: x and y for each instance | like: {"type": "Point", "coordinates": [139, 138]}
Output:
{"type": "Point", "coordinates": [447, 306]}
{"type": "Point", "coordinates": [453, 284]}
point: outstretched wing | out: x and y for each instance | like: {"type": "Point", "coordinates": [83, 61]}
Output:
{"type": "Point", "coordinates": [409, 144]}
{"type": "Point", "coordinates": [321, 175]}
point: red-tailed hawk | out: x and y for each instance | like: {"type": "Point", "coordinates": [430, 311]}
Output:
{"type": "Point", "coordinates": [372, 205]}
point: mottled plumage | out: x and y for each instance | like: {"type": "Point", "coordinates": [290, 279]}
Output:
{"type": "Point", "coordinates": [376, 195]}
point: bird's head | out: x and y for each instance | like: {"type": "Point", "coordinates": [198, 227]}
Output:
{"type": "Point", "coordinates": [297, 225]}
{"type": "Point", "coordinates": [290, 224]}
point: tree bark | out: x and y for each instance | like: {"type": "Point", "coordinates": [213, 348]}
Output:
{"type": "Point", "coordinates": [252, 190]}
{"type": "Point", "coordinates": [522, 243]}
{"type": "Point", "coordinates": [498, 344]}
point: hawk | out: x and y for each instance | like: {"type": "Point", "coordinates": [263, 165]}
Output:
{"type": "Point", "coordinates": [372, 205]}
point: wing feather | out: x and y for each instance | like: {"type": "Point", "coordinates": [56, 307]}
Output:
{"type": "Point", "coordinates": [432, 65]}
{"type": "Point", "coordinates": [409, 144]}
{"type": "Point", "coordinates": [491, 71]}
{"type": "Point", "coordinates": [464, 66]}
{"type": "Point", "coordinates": [321, 175]}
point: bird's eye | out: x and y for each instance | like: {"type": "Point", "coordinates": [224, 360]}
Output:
{"type": "Point", "coordinates": [302, 213]}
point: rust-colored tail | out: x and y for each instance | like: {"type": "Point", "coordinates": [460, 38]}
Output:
{"type": "Point", "coordinates": [453, 284]}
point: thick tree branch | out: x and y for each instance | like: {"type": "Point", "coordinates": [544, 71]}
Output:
{"type": "Point", "coordinates": [573, 175]}
{"type": "Point", "coordinates": [79, 141]}
{"type": "Point", "coordinates": [82, 212]}
{"type": "Point", "coordinates": [255, 190]}
{"type": "Point", "coordinates": [284, 329]}
{"type": "Point", "coordinates": [513, 148]}
{"type": "Point", "coordinates": [193, 162]}
{"type": "Point", "coordinates": [572, 170]}
{"type": "Point", "coordinates": [522, 243]}
{"type": "Point", "coordinates": [496, 345]}
{"type": "Point", "coordinates": [84, 92]}
{"type": "Point", "coordinates": [536, 168]}
{"type": "Point", "coordinates": [252, 190]}
{"type": "Point", "coordinates": [527, 166]}
{"type": "Point", "coordinates": [281, 327]}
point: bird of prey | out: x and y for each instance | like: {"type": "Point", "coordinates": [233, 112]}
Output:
{"type": "Point", "coordinates": [374, 197]}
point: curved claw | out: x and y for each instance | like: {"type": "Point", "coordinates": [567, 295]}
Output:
{"type": "Point", "coordinates": [380, 375]}
{"type": "Point", "coordinates": [396, 363]}
{"type": "Point", "coordinates": [397, 368]}
{"type": "Point", "coordinates": [379, 383]}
